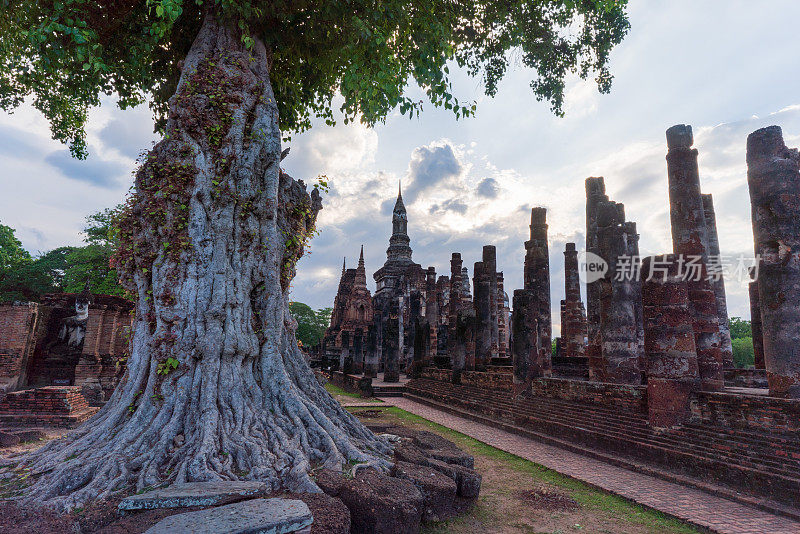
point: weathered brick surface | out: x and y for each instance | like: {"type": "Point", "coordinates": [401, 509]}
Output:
{"type": "Point", "coordinates": [434, 373]}
{"type": "Point", "coordinates": [352, 383]}
{"type": "Point", "coordinates": [17, 327]}
{"type": "Point", "coordinates": [497, 380]}
{"type": "Point", "coordinates": [754, 412]}
{"type": "Point", "coordinates": [49, 406]}
{"type": "Point", "coordinates": [629, 398]}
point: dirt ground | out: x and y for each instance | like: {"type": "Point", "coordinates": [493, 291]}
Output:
{"type": "Point", "coordinates": [520, 497]}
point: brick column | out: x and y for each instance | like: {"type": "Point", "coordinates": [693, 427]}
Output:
{"type": "Point", "coordinates": [483, 314]}
{"type": "Point", "coordinates": [573, 327]}
{"type": "Point", "coordinates": [431, 315]}
{"type": "Point", "coordinates": [537, 280]}
{"type": "Point", "coordinates": [718, 283]}
{"type": "Point", "coordinates": [595, 194]}
{"type": "Point", "coordinates": [391, 342]}
{"type": "Point", "coordinates": [618, 335]}
{"type": "Point", "coordinates": [525, 352]}
{"type": "Point", "coordinates": [690, 239]}
{"type": "Point", "coordinates": [774, 180]}
{"type": "Point", "coordinates": [755, 326]}
{"type": "Point", "coordinates": [672, 370]}
{"type": "Point", "coordinates": [456, 349]}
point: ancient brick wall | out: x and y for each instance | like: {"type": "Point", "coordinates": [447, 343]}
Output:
{"type": "Point", "coordinates": [17, 327]}
{"type": "Point", "coordinates": [51, 406]}
{"type": "Point", "coordinates": [490, 380]}
{"type": "Point", "coordinates": [754, 412]}
{"type": "Point", "coordinates": [433, 373]}
{"type": "Point", "coordinates": [628, 397]}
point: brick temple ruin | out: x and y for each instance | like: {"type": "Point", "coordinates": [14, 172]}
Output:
{"type": "Point", "coordinates": [644, 372]}
{"type": "Point", "coordinates": [61, 358]}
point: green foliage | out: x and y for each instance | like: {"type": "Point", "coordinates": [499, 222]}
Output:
{"type": "Point", "coordinates": [743, 354]}
{"type": "Point", "coordinates": [740, 328]}
{"type": "Point", "coordinates": [311, 325]}
{"type": "Point", "coordinates": [11, 251]}
{"type": "Point", "coordinates": [64, 268]}
{"type": "Point", "coordinates": [168, 365]}
{"type": "Point", "coordinates": [67, 53]}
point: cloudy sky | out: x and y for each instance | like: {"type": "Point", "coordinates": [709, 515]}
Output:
{"type": "Point", "coordinates": [726, 67]}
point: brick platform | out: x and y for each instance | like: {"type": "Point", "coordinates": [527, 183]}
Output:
{"type": "Point", "coordinates": [761, 464]}
{"type": "Point", "coordinates": [61, 406]}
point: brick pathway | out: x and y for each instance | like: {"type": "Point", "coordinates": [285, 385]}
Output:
{"type": "Point", "coordinates": [691, 505]}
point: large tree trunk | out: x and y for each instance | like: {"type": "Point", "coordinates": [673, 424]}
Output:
{"type": "Point", "coordinates": [210, 240]}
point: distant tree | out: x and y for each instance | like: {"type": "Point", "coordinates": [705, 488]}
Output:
{"type": "Point", "coordinates": [92, 263]}
{"type": "Point", "coordinates": [743, 352]}
{"type": "Point", "coordinates": [311, 325]}
{"type": "Point", "coordinates": [13, 259]}
{"type": "Point", "coordinates": [12, 253]}
{"type": "Point", "coordinates": [740, 328]}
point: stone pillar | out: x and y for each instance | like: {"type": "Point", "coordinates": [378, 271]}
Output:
{"type": "Point", "coordinates": [689, 240]}
{"type": "Point", "coordinates": [537, 279]}
{"type": "Point", "coordinates": [490, 269]}
{"type": "Point", "coordinates": [717, 282]}
{"type": "Point", "coordinates": [502, 319]}
{"type": "Point", "coordinates": [455, 348]}
{"type": "Point", "coordinates": [595, 194]}
{"type": "Point", "coordinates": [465, 296]}
{"type": "Point", "coordinates": [573, 327]}
{"type": "Point", "coordinates": [358, 351]}
{"type": "Point", "coordinates": [483, 313]}
{"type": "Point", "coordinates": [371, 360]}
{"type": "Point", "coordinates": [774, 179]}
{"type": "Point", "coordinates": [755, 323]}
{"type": "Point", "coordinates": [525, 354]}
{"type": "Point", "coordinates": [672, 370]}
{"type": "Point", "coordinates": [345, 359]}
{"type": "Point", "coordinates": [431, 315]}
{"type": "Point", "coordinates": [619, 344]}
{"type": "Point", "coordinates": [391, 342]}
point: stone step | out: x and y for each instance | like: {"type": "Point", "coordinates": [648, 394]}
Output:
{"type": "Point", "coordinates": [597, 422]}
{"type": "Point", "coordinates": [733, 456]}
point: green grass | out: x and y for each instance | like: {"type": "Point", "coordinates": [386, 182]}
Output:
{"type": "Point", "coordinates": [586, 495]}
{"type": "Point", "coordinates": [336, 390]}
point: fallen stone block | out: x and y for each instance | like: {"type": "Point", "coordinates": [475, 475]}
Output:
{"type": "Point", "coordinates": [194, 494]}
{"type": "Point", "coordinates": [8, 440]}
{"type": "Point", "coordinates": [428, 440]}
{"type": "Point", "coordinates": [467, 480]}
{"type": "Point", "coordinates": [438, 490]}
{"type": "Point", "coordinates": [456, 457]}
{"type": "Point", "coordinates": [378, 504]}
{"type": "Point", "coordinates": [255, 516]}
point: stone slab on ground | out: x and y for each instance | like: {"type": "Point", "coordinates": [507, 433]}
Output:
{"type": "Point", "coordinates": [255, 516]}
{"type": "Point", "coordinates": [194, 494]}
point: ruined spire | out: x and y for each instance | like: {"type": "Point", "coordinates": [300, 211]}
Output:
{"type": "Point", "coordinates": [399, 244]}
{"type": "Point", "coordinates": [361, 258]}
{"type": "Point", "coordinates": [344, 264]}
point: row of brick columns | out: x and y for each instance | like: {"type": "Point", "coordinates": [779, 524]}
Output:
{"type": "Point", "coordinates": [668, 320]}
